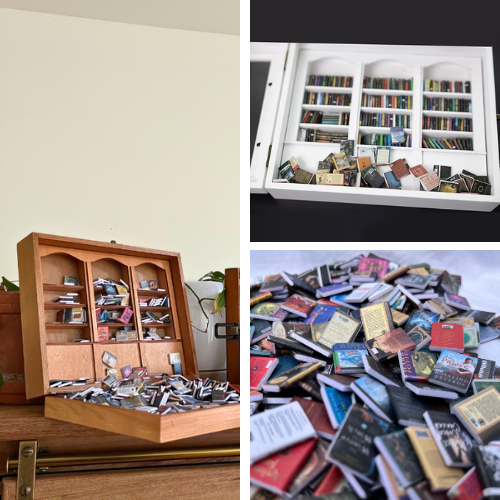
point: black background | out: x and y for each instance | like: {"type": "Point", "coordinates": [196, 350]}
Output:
{"type": "Point", "coordinates": [392, 23]}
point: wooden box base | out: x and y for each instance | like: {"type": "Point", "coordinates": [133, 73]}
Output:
{"type": "Point", "coordinates": [156, 428]}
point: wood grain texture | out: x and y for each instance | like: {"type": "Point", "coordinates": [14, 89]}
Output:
{"type": "Point", "coordinates": [69, 362]}
{"type": "Point", "coordinates": [157, 428]}
{"type": "Point", "coordinates": [210, 482]}
{"type": "Point", "coordinates": [154, 355]}
{"type": "Point", "coordinates": [233, 316]}
{"type": "Point", "coordinates": [33, 317]}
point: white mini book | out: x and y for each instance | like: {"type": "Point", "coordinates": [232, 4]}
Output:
{"type": "Point", "coordinates": [361, 293]}
{"type": "Point", "coordinates": [276, 429]}
{"type": "Point", "coordinates": [383, 290]}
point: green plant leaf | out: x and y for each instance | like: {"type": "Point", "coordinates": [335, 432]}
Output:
{"type": "Point", "coordinates": [220, 302]}
{"type": "Point", "coordinates": [1, 380]}
{"type": "Point", "coordinates": [213, 276]}
{"type": "Point", "coordinates": [10, 287]}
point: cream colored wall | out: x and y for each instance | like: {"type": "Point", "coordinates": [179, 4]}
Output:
{"type": "Point", "coordinates": [116, 131]}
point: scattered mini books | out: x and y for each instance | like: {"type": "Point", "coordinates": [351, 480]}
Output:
{"type": "Point", "coordinates": [374, 391]}
{"type": "Point", "coordinates": [377, 171]}
{"type": "Point", "coordinates": [160, 394]}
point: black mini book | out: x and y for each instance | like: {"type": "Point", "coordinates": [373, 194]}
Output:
{"type": "Point", "coordinates": [401, 458]}
{"type": "Point", "coordinates": [263, 328]}
{"type": "Point", "coordinates": [380, 372]}
{"type": "Point", "coordinates": [353, 445]}
{"type": "Point", "coordinates": [485, 368]}
{"type": "Point", "coordinates": [452, 439]}
{"type": "Point", "coordinates": [291, 344]}
{"type": "Point", "coordinates": [298, 283]}
{"type": "Point", "coordinates": [408, 408]}
{"type": "Point", "coordinates": [487, 460]}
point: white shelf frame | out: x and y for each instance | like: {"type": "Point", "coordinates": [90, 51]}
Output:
{"type": "Point", "coordinates": [480, 62]}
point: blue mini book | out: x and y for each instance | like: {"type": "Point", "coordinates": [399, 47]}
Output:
{"type": "Point", "coordinates": [284, 364]}
{"type": "Point", "coordinates": [378, 397]}
{"type": "Point", "coordinates": [337, 404]}
{"type": "Point", "coordinates": [321, 314]}
{"type": "Point", "coordinates": [423, 319]}
{"type": "Point", "coordinates": [391, 180]}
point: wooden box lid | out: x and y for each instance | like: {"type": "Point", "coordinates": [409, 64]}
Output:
{"type": "Point", "coordinates": [51, 353]}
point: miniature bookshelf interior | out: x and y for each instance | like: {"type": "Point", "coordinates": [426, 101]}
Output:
{"type": "Point", "coordinates": [359, 96]}
{"type": "Point", "coordinates": [67, 359]}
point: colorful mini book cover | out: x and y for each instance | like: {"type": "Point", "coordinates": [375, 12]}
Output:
{"type": "Point", "coordinates": [397, 135]}
{"type": "Point", "coordinates": [471, 340]}
{"type": "Point", "coordinates": [321, 314]}
{"type": "Point", "coordinates": [358, 432]}
{"type": "Point", "coordinates": [348, 358]}
{"type": "Point", "coordinates": [456, 301]}
{"type": "Point", "coordinates": [285, 330]}
{"type": "Point", "coordinates": [453, 370]}
{"type": "Point", "coordinates": [455, 442]}
{"type": "Point", "coordinates": [388, 345]}
{"type": "Point", "coordinates": [417, 366]}
{"type": "Point", "coordinates": [430, 181]}
{"type": "Point", "coordinates": [485, 369]}
{"type": "Point", "coordinates": [347, 147]}
{"type": "Point", "coordinates": [482, 317]}
{"type": "Point", "coordinates": [383, 155]}
{"type": "Point", "coordinates": [341, 160]}
{"type": "Point", "coordinates": [272, 283]}
{"type": "Point", "coordinates": [377, 393]}
{"type": "Point", "coordinates": [291, 376]}
{"type": "Point", "coordinates": [423, 319]}
{"type": "Point", "coordinates": [397, 449]}
{"type": "Point", "coordinates": [468, 488]}
{"type": "Point", "coordinates": [418, 170]}
{"type": "Point", "coordinates": [481, 385]}
{"type": "Point", "coordinates": [419, 336]}
{"type": "Point", "coordinates": [391, 180]}
{"type": "Point", "coordinates": [268, 311]}
{"type": "Point", "coordinates": [378, 266]}
{"type": "Point", "coordinates": [338, 402]}
{"type": "Point", "coordinates": [487, 333]}
{"type": "Point", "coordinates": [487, 460]}
{"type": "Point", "coordinates": [278, 470]}
{"type": "Point", "coordinates": [311, 278]}
{"type": "Point", "coordinates": [285, 363]}
{"type": "Point", "coordinates": [102, 333]}
{"type": "Point", "coordinates": [342, 328]}
{"type": "Point", "coordinates": [299, 305]}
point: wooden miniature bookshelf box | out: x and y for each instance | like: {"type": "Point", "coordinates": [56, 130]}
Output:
{"type": "Point", "coordinates": [474, 64]}
{"type": "Point", "coordinates": [51, 353]}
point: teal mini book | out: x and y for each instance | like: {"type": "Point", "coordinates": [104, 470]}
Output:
{"type": "Point", "coordinates": [337, 404]}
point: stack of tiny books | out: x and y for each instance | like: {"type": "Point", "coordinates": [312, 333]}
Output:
{"type": "Point", "coordinates": [160, 394]}
{"type": "Point", "coordinates": [365, 383]}
{"type": "Point", "coordinates": [115, 294]}
{"type": "Point", "coordinates": [377, 171]}
{"type": "Point", "coordinates": [73, 315]}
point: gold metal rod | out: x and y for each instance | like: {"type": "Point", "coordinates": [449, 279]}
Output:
{"type": "Point", "coordinates": [136, 456]}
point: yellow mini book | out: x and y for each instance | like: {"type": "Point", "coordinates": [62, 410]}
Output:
{"type": "Point", "coordinates": [438, 474]}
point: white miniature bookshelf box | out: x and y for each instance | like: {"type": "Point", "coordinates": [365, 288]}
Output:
{"type": "Point", "coordinates": [442, 97]}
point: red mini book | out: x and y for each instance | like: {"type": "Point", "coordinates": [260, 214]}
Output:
{"type": "Point", "coordinates": [318, 416]}
{"type": "Point", "coordinates": [297, 304]}
{"type": "Point", "coordinates": [331, 483]}
{"type": "Point", "coordinates": [261, 369]}
{"type": "Point", "coordinates": [102, 333]}
{"type": "Point", "coordinates": [468, 488]}
{"type": "Point", "coordinates": [447, 337]}
{"type": "Point", "coordinates": [387, 345]}
{"type": "Point", "coordinates": [276, 472]}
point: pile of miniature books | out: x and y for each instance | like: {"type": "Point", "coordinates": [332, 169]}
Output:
{"type": "Point", "coordinates": [377, 171]}
{"type": "Point", "coordinates": [365, 383]}
{"type": "Point", "coordinates": [160, 395]}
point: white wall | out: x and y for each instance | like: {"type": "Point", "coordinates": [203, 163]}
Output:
{"type": "Point", "coordinates": [117, 131]}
